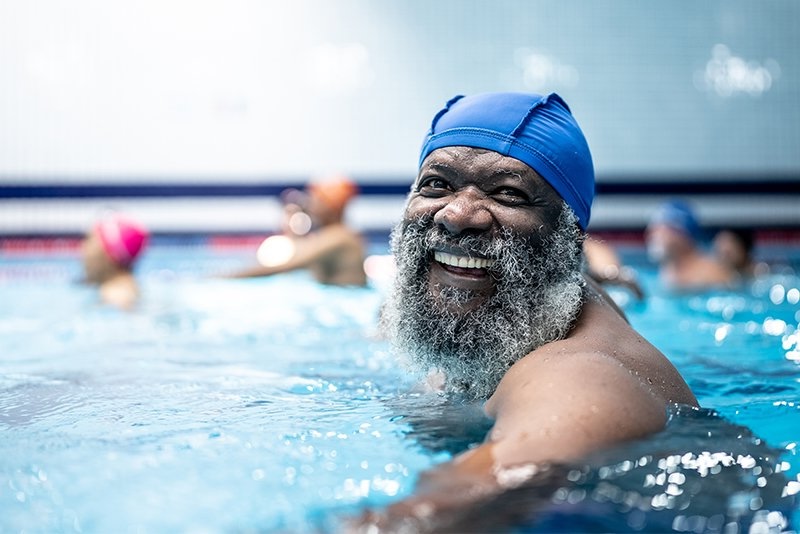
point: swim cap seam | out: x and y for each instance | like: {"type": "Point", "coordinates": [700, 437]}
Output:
{"type": "Point", "coordinates": [444, 110]}
{"type": "Point", "coordinates": [536, 105]}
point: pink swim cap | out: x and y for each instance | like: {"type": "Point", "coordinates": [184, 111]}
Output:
{"type": "Point", "coordinates": [123, 238]}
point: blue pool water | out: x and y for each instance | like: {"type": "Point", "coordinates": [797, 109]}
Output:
{"type": "Point", "coordinates": [274, 405]}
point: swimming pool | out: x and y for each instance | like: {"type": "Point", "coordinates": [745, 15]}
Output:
{"type": "Point", "coordinates": [274, 405]}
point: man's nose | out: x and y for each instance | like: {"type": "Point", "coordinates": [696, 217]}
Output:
{"type": "Point", "coordinates": [465, 211]}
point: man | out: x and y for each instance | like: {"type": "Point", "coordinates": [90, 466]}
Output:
{"type": "Point", "coordinates": [315, 236]}
{"type": "Point", "coordinates": [489, 292]}
{"type": "Point", "coordinates": [671, 237]}
{"type": "Point", "coordinates": [109, 251]}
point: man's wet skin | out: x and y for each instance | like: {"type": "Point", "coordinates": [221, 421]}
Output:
{"type": "Point", "coordinates": [480, 193]}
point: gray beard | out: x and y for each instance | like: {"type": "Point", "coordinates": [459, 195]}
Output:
{"type": "Point", "coordinates": [538, 296]}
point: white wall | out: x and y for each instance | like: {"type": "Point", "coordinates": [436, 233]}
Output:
{"type": "Point", "coordinates": [199, 90]}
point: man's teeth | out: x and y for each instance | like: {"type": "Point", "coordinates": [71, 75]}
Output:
{"type": "Point", "coordinates": [462, 261]}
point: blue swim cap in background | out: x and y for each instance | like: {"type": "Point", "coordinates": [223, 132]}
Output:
{"type": "Point", "coordinates": [677, 215]}
{"type": "Point", "coordinates": [538, 130]}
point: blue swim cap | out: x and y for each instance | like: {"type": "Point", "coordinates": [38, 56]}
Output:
{"type": "Point", "coordinates": [538, 130]}
{"type": "Point", "coordinates": [677, 215]}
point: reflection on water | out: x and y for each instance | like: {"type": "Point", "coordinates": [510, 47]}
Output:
{"type": "Point", "coordinates": [441, 424]}
{"type": "Point", "coordinates": [701, 474]}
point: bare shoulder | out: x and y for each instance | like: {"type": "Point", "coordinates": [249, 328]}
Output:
{"type": "Point", "coordinates": [592, 377]}
{"type": "Point", "coordinates": [601, 385]}
{"type": "Point", "coordinates": [557, 407]}
{"type": "Point", "coordinates": [714, 271]}
{"type": "Point", "coordinates": [121, 292]}
{"type": "Point", "coordinates": [601, 331]}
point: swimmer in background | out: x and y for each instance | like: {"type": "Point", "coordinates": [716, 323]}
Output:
{"type": "Point", "coordinates": [315, 236]}
{"type": "Point", "coordinates": [606, 268]}
{"type": "Point", "coordinates": [734, 248]}
{"type": "Point", "coordinates": [108, 252]}
{"type": "Point", "coordinates": [671, 237]}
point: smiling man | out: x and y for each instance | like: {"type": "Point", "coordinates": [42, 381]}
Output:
{"type": "Point", "coordinates": [489, 291]}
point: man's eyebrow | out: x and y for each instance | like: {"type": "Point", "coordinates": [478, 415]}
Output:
{"type": "Point", "coordinates": [499, 173]}
{"type": "Point", "coordinates": [443, 168]}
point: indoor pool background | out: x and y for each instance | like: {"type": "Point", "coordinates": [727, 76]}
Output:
{"type": "Point", "coordinates": [274, 405]}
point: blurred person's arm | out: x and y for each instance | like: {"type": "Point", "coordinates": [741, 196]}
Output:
{"type": "Point", "coordinates": [605, 267]}
{"type": "Point", "coordinates": [280, 254]}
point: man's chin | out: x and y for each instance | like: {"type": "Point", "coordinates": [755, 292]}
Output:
{"type": "Point", "coordinates": [457, 301]}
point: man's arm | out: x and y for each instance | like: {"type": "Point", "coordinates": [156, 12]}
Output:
{"type": "Point", "coordinates": [549, 407]}
{"type": "Point", "coordinates": [556, 406]}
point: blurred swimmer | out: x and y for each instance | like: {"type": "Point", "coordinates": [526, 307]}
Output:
{"type": "Point", "coordinates": [605, 267]}
{"type": "Point", "coordinates": [314, 236]}
{"type": "Point", "coordinates": [671, 237]}
{"type": "Point", "coordinates": [734, 248]}
{"type": "Point", "coordinates": [109, 252]}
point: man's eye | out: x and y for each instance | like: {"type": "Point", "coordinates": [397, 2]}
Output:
{"type": "Point", "coordinates": [433, 183]}
{"type": "Point", "coordinates": [511, 195]}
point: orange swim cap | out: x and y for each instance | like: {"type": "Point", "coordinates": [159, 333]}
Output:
{"type": "Point", "coordinates": [335, 191]}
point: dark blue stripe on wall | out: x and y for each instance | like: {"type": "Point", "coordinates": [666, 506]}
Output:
{"type": "Point", "coordinates": [172, 190]}
{"type": "Point", "coordinates": [702, 185]}
{"type": "Point", "coordinates": [139, 190]}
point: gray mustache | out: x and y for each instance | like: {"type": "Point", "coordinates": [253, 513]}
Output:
{"type": "Point", "coordinates": [485, 246]}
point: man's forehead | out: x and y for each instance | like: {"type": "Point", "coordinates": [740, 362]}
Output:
{"type": "Point", "coordinates": [456, 157]}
